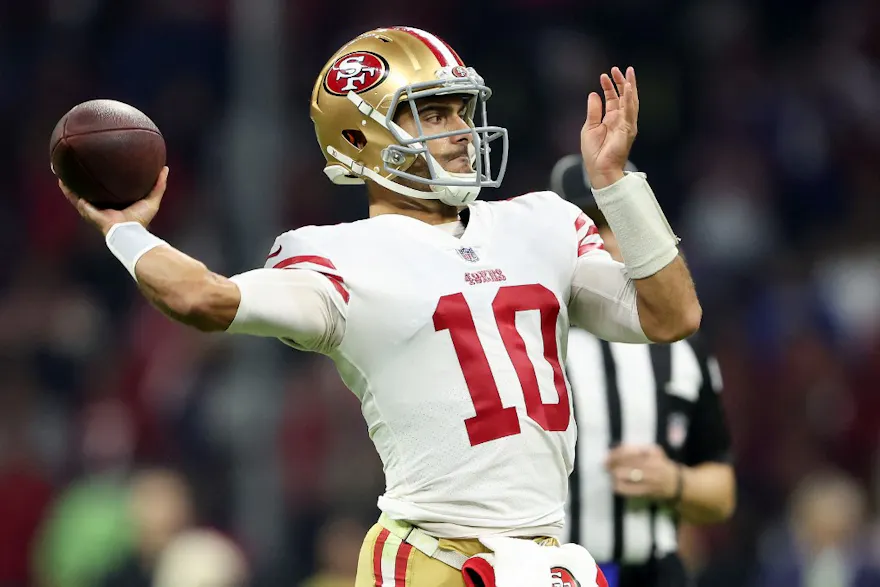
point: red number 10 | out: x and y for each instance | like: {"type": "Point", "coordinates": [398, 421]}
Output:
{"type": "Point", "coordinates": [493, 420]}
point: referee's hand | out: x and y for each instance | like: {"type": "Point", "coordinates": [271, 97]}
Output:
{"type": "Point", "coordinates": [642, 471]}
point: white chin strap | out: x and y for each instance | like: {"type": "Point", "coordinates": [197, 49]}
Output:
{"type": "Point", "coordinates": [452, 195]}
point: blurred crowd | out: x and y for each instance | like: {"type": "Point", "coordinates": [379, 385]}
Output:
{"type": "Point", "coordinates": [132, 454]}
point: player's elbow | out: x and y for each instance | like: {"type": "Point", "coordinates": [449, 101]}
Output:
{"type": "Point", "coordinates": [203, 317]}
{"type": "Point", "coordinates": [207, 305]}
{"type": "Point", "coordinates": [690, 319]}
{"type": "Point", "coordinates": [669, 327]}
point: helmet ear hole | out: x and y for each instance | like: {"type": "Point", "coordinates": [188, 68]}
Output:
{"type": "Point", "coordinates": [355, 138]}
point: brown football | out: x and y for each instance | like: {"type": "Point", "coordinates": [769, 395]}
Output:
{"type": "Point", "coordinates": [107, 152]}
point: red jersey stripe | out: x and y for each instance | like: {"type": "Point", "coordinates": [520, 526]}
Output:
{"type": "Point", "coordinates": [590, 232]}
{"type": "Point", "coordinates": [587, 247]}
{"type": "Point", "coordinates": [338, 284]}
{"type": "Point", "coordinates": [322, 261]}
{"type": "Point", "coordinates": [336, 280]}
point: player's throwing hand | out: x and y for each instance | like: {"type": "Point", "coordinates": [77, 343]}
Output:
{"type": "Point", "coordinates": [606, 141]}
{"type": "Point", "coordinates": [141, 211]}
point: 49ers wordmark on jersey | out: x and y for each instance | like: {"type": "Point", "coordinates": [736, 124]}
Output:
{"type": "Point", "coordinates": [356, 72]}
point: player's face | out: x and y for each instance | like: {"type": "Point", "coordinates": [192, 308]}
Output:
{"type": "Point", "coordinates": [439, 114]}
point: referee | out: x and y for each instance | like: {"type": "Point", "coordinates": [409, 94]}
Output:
{"type": "Point", "coordinates": [653, 446]}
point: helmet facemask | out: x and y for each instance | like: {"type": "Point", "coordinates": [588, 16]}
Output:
{"type": "Point", "coordinates": [456, 189]}
{"type": "Point", "coordinates": [482, 135]}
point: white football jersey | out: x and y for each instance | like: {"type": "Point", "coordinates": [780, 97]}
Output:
{"type": "Point", "coordinates": [455, 348]}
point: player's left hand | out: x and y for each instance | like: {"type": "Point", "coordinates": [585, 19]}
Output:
{"type": "Point", "coordinates": [642, 471]}
{"type": "Point", "coordinates": [607, 140]}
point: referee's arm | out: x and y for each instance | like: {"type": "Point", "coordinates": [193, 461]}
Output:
{"type": "Point", "coordinates": [708, 491]}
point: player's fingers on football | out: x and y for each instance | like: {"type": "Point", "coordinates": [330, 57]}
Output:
{"type": "Point", "coordinates": [86, 208]}
{"type": "Point", "coordinates": [612, 100]}
{"type": "Point", "coordinates": [159, 187]}
{"type": "Point", "coordinates": [64, 189]}
{"type": "Point", "coordinates": [71, 197]}
{"type": "Point", "coordinates": [88, 211]}
{"type": "Point", "coordinates": [68, 195]}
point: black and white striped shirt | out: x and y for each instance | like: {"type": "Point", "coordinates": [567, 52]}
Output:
{"type": "Point", "coordinates": [637, 394]}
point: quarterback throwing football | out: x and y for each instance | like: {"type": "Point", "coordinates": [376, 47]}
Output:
{"type": "Point", "coordinates": [446, 316]}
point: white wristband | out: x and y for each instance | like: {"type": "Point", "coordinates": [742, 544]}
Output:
{"type": "Point", "coordinates": [128, 241]}
{"type": "Point", "coordinates": [646, 240]}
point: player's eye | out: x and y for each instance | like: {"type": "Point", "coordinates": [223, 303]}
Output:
{"type": "Point", "coordinates": [432, 118]}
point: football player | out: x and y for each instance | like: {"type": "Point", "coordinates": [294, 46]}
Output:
{"type": "Point", "coordinates": [446, 316]}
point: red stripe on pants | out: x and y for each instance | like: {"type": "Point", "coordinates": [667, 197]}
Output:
{"type": "Point", "coordinates": [400, 564]}
{"type": "Point", "coordinates": [377, 556]}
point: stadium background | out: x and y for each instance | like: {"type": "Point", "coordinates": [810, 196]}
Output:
{"type": "Point", "coordinates": [760, 132]}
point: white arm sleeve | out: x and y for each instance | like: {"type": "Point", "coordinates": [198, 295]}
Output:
{"type": "Point", "coordinates": [301, 307]}
{"type": "Point", "coordinates": [603, 299]}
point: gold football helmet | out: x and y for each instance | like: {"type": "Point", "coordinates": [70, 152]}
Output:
{"type": "Point", "coordinates": [357, 95]}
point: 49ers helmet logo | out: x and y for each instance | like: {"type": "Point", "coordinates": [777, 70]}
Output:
{"type": "Point", "coordinates": [355, 72]}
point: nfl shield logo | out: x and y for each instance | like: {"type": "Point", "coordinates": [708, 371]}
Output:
{"type": "Point", "coordinates": [468, 254]}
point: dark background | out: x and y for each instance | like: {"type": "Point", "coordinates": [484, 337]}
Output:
{"type": "Point", "coordinates": [759, 131]}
